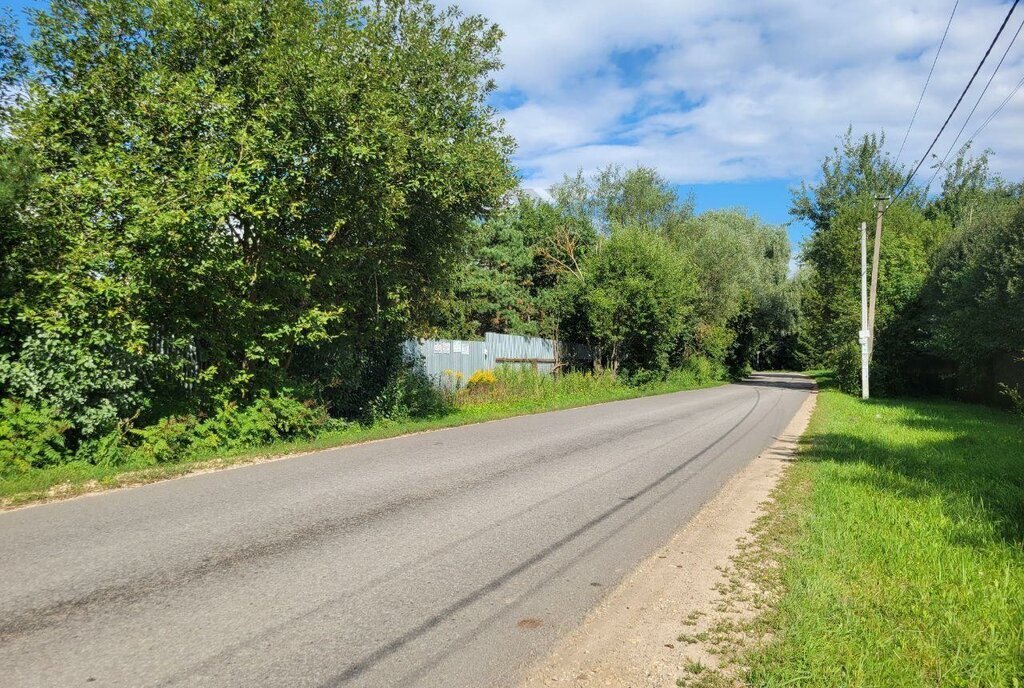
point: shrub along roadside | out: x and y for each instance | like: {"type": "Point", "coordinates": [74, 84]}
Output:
{"type": "Point", "coordinates": [903, 565]}
{"type": "Point", "coordinates": [35, 463]}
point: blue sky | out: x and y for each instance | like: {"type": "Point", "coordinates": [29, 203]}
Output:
{"type": "Point", "coordinates": [738, 101]}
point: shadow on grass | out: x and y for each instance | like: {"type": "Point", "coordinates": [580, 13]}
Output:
{"type": "Point", "coordinates": [971, 457]}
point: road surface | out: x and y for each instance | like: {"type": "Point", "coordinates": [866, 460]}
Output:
{"type": "Point", "coordinates": [448, 558]}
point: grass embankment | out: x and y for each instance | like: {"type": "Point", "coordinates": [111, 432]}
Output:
{"type": "Point", "coordinates": [514, 394]}
{"type": "Point", "coordinates": [907, 565]}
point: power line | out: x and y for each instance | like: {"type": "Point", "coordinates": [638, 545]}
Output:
{"type": "Point", "coordinates": [959, 100]}
{"type": "Point", "coordinates": [998, 109]}
{"type": "Point", "coordinates": [928, 80]}
{"type": "Point", "coordinates": [976, 104]}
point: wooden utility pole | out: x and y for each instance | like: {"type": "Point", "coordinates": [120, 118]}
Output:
{"type": "Point", "coordinates": [865, 333]}
{"type": "Point", "coordinates": [880, 201]}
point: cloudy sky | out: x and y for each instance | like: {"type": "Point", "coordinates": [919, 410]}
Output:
{"type": "Point", "coordinates": [738, 101]}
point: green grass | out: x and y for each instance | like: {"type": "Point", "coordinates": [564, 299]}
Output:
{"type": "Point", "coordinates": [907, 565]}
{"type": "Point", "coordinates": [519, 394]}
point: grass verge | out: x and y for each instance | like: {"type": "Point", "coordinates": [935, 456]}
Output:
{"type": "Point", "coordinates": [891, 555]}
{"type": "Point", "coordinates": [528, 395]}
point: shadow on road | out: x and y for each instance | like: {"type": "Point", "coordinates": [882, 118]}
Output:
{"type": "Point", "coordinates": [779, 380]}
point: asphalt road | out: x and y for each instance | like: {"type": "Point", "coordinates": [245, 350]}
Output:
{"type": "Point", "coordinates": [449, 558]}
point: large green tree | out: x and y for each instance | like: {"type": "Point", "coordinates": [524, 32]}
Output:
{"type": "Point", "coordinates": [857, 171]}
{"type": "Point", "coordinates": [235, 195]}
{"type": "Point", "coordinates": [637, 297]}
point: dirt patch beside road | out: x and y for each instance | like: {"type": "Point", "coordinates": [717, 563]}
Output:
{"type": "Point", "coordinates": [630, 639]}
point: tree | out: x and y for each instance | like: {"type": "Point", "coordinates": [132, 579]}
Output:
{"type": "Point", "coordinates": [637, 295]}
{"type": "Point", "coordinates": [857, 171]}
{"type": "Point", "coordinates": [501, 286]}
{"type": "Point", "coordinates": [745, 308]}
{"type": "Point", "coordinates": [638, 198]}
{"type": "Point", "coordinates": [16, 241]}
{"type": "Point", "coordinates": [239, 195]}
{"type": "Point", "coordinates": [970, 314]}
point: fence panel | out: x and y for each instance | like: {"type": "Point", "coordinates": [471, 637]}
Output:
{"type": "Point", "coordinates": [451, 362]}
{"type": "Point", "coordinates": [510, 349]}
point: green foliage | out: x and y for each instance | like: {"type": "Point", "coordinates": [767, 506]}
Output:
{"type": "Point", "coordinates": [109, 450]}
{"type": "Point", "coordinates": [975, 292]}
{"type": "Point", "coordinates": [1014, 397]}
{"type": "Point", "coordinates": [264, 421]}
{"type": "Point", "coordinates": [13, 65]}
{"type": "Point", "coordinates": [167, 440]}
{"type": "Point", "coordinates": [506, 282]}
{"type": "Point", "coordinates": [30, 437]}
{"type": "Point", "coordinates": [845, 364]}
{"type": "Point", "coordinates": [748, 309]}
{"type": "Point", "coordinates": [639, 197]}
{"type": "Point", "coordinates": [700, 369]}
{"type": "Point", "coordinates": [409, 395]}
{"type": "Point", "coordinates": [518, 385]}
{"type": "Point", "coordinates": [949, 299]}
{"type": "Point", "coordinates": [89, 369]}
{"type": "Point", "coordinates": [533, 264]}
{"type": "Point", "coordinates": [856, 171]}
{"type": "Point", "coordinates": [832, 303]}
{"type": "Point", "coordinates": [638, 295]}
{"type": "Point", "coordinates": [268, 419]}
{"type": "Point", "coordinates": [236, 196]}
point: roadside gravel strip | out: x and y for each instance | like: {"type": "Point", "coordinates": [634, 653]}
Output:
{"type": "Point", "coordinates": [628, 641]}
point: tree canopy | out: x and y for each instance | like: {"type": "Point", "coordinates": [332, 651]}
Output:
{"type": "Point", "coordinates": [223, 190]}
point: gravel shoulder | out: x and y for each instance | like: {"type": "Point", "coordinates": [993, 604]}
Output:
{"type": "Point", "coordinates": [629, 639]}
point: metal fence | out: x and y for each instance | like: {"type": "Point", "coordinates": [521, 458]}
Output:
{"type": "Point", "coordinates": [451, 362]}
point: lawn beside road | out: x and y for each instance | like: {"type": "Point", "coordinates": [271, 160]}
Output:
{"type": "Point", "coordinates": [907, 568]}
{"type": "Point", "coordinates": [514, 394]}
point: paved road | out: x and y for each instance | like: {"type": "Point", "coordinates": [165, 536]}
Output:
{"type": "Point", "coordinates": [450, 558]}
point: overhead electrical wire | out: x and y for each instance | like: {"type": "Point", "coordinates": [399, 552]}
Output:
{"type": "Point", "coordinates": [998, 109]}
{"type": "Point", "coordinates": [976, 104]}
{"type": "Point", "coordinates": [959, 100]}
{"type": "Point", "coordinates": [928, 80]}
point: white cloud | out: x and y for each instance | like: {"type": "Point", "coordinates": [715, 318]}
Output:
{"type": "Point", "coordinates": [740, 90]}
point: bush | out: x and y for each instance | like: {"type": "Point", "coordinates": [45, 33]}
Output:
{"type": "Point", "coordinates": [93, 380]}
{"type": "Point", "coordinates": [34, 437]}
{"type": "Point", "coordinates": [638, 298]}
{"type": "Point", "coordinates": [643, 378]}
{"type": "Point", "coordinates": [712, 341]}
{"type": "Point", "coordinates": [845, 362]}
{"type": "Point", "coordinates": [166, 441]}
{"type": "Point", "coordinates": [266, 420]}
{"type": "Point", "coordinates": [30, 437]}
{"type": "Point", "coordinates": [704, 369]}
{"type": "Point", "coordinates": [1014, 397]}
{"type": "Point", "coordinates": [111, 449]}
{"type": "Point", "coordinates": [410, 394]}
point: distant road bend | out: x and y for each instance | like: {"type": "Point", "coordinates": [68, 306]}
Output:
{"type": "Point", "coordinates": [449, 558]}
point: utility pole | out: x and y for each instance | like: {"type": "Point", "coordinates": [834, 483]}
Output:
{"type": "Point", "coordinates": [865, 333]}
{"type": "Point", "coordinates": [880, 201]}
